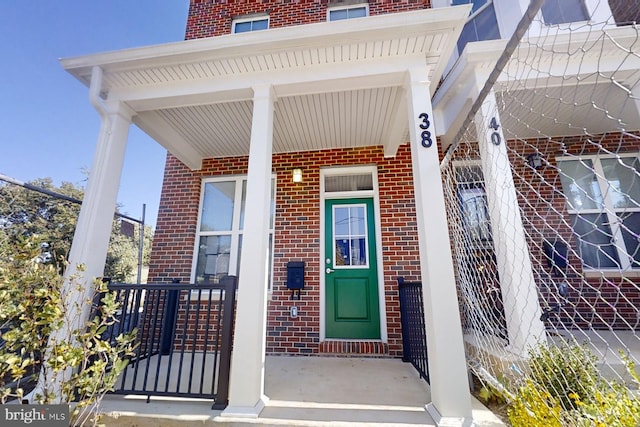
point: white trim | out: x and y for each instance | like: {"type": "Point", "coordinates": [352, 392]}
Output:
{"type": "Point", "coordinates": [348, 7]}
{"type": "Point", "coordinates": [374, 194]}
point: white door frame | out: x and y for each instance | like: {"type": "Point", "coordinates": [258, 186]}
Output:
{"type": "Point", "coordinates": [374, 194]}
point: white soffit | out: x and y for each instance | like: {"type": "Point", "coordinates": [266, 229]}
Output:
{"type": "Point", "coordinates": [338, 84]}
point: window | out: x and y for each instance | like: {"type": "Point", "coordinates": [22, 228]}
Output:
{"type": "Point", "coordinates": [473, 204]}
{"type": "Point", "coordinates": [219, 235]}
{"type": "Point", "coordinates": [563, 11]}
{"type": "Point", "coordinates": [603, 201]}
{"type": "Point", "coordinates": [481, 24]}
{"type": "Point", "coordinates": [250, 24]}
{"type": "Point", "coordinates": [347, 12]}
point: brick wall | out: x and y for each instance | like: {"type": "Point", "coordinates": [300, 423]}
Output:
{"type": "Point", "coordinates": [297, 234]}
{"type": "Point", "coordinates": [214, 18]}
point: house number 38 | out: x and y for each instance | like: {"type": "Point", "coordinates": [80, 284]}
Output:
{"type": "Point", "coordinates": [426, 134]}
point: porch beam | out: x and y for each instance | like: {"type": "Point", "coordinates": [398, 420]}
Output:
{"type": "Point", "coordinates": [246, 388]}
{"type": "Point", "coordinates": [374, 73]}
{"type": "Point", "coordinates": [450, 397]}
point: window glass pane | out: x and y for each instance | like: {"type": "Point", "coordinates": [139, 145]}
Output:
{"type": "Point", "coordinates": [563, 11]}
{"type": "Point", "coordinates": [357, 12]}
{"type": "Point", "coordinates": [631, 237]}
{"type": "Point", "coordinates": [336, 15]}
{"type": "Point", "coordinates": [341, 221]}
{"type": "Point", "coordinates": [217, 206]}
{"type": "Point", "coordinates": [595, 241]}
{"type": "Point", "coordinates": [242, 27]}
{"type": "Point", "coordinates": [475, 215]}
{"type": "Point", "coordinates": [580, 185]}
{"type": "Point", "coordinates": [484, 26]}
{"type": "Point", "coordinates": [260, 24]}
{"type": "Point", "coordinates": [623, 176]}
{"type": "Point", "coordinates": [213, 258]}
{"type": "Point", "coordinates": [342, 255]}
{"type": "Point", "coordinates": [358, 251]}
{"type": "Point", "coordinates": [357, 221]}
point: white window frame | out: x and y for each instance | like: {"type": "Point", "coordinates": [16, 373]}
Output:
{"type": "Point", "coordinates": [250, 19]}
{"type": "Point", "coordinates": [349, 6]}
{"type": "Point", "coordinates": [235, 231]}
{"type": "Point", "coordinates": [608, 208]}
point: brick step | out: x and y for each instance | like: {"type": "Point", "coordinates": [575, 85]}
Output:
{"type": "Point", "coordinates": [361, 348]}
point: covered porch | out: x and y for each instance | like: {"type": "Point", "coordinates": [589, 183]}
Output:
{"type": "Point", "coordinates": [336, 85]}
{"type": "Point", "coordinates": [307, 391]}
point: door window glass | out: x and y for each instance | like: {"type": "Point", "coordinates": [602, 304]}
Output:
{"type": "Point", "coordinates": [350, 235]}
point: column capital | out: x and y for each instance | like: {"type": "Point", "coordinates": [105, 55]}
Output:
{"type": "Point", "coordinates": [417, 75]}
{"type": "Point", "coordinates": [119, 108]}
{"type": "Point", "coordinates": [264, 90]}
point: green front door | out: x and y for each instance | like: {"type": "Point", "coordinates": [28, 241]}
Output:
{"type": "Point", "coordinates": [350, 269]}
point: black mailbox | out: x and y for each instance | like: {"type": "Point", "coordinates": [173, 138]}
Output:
{"type": "Point", "coordinates": [295, 276]}
{"type": "Point", "coordinates": [556, 254]}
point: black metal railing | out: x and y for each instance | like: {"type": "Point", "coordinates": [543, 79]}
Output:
{"type": "Point", "coordinates": [184, 338]}
{"type": "Point", "coordinates": [414, 337]}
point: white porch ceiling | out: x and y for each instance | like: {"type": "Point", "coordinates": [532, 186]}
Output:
{"type": "Point", "coordinates": [337, 84]}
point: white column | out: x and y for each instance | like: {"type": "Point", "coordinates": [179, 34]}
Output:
{"type": "Point", "coordinates": [450, 396]}
{"type": "Point", "coordinates": [91, 237]}
{"type": "Point", "coordinates": [246, 384]}
{"type": "Point", "coordinates": [519, 291]}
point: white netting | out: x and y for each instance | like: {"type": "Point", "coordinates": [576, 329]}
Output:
{"type": "Point", "coordinates": [545, 225]}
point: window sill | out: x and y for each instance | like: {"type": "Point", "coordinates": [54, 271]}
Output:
{"type": "Point", "coordinates": [594, 274]}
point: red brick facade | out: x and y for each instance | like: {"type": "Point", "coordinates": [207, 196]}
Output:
{"type": "Point", "coordinates": [209, 18]}
{"type": "Point", "coordinates": [297, 236]}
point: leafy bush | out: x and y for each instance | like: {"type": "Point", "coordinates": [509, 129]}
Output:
{"type": "Point", "coordinates": [563, 372]}
{"type": "Point", "coordinates": [564, 388]}
{"type": "Point", "coordinates": [32, 309]}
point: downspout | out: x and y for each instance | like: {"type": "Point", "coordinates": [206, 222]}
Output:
{"type": "Point", "coordinates": [94, 91]}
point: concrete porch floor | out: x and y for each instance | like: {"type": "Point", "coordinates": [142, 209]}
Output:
{"type": "Point", "coordinates": [305, 391]}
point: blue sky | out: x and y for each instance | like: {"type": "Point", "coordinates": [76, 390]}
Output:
{"type": "Point", "coordinates": [48, 128]}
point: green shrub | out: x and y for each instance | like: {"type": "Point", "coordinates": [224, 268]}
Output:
{"type": "Point", "coordinates": [32, 308]}
{"type": "Point", "coordinates": [564, 371]}
{"type": "Point", "coordinates": [564, 388]}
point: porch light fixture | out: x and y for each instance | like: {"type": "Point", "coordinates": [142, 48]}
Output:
{"type": "Point", "coordinates": [534, 160]}
{"type": "Point", "coordinates": [297, 175]}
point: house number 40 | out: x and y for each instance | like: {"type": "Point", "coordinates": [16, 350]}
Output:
{"type": "Point", "coordinates": [426, 134]}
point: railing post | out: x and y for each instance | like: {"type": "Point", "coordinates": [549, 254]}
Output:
{"type": "Point", "coordinates": [169, 320]}
{"type": "Point", "coordinates": [222, 392]}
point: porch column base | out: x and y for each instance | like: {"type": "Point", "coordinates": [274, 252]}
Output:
{"type": "Point", "coordinates": [447, 421]}
{"type": "Point", "coordinates": [246, 411]}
